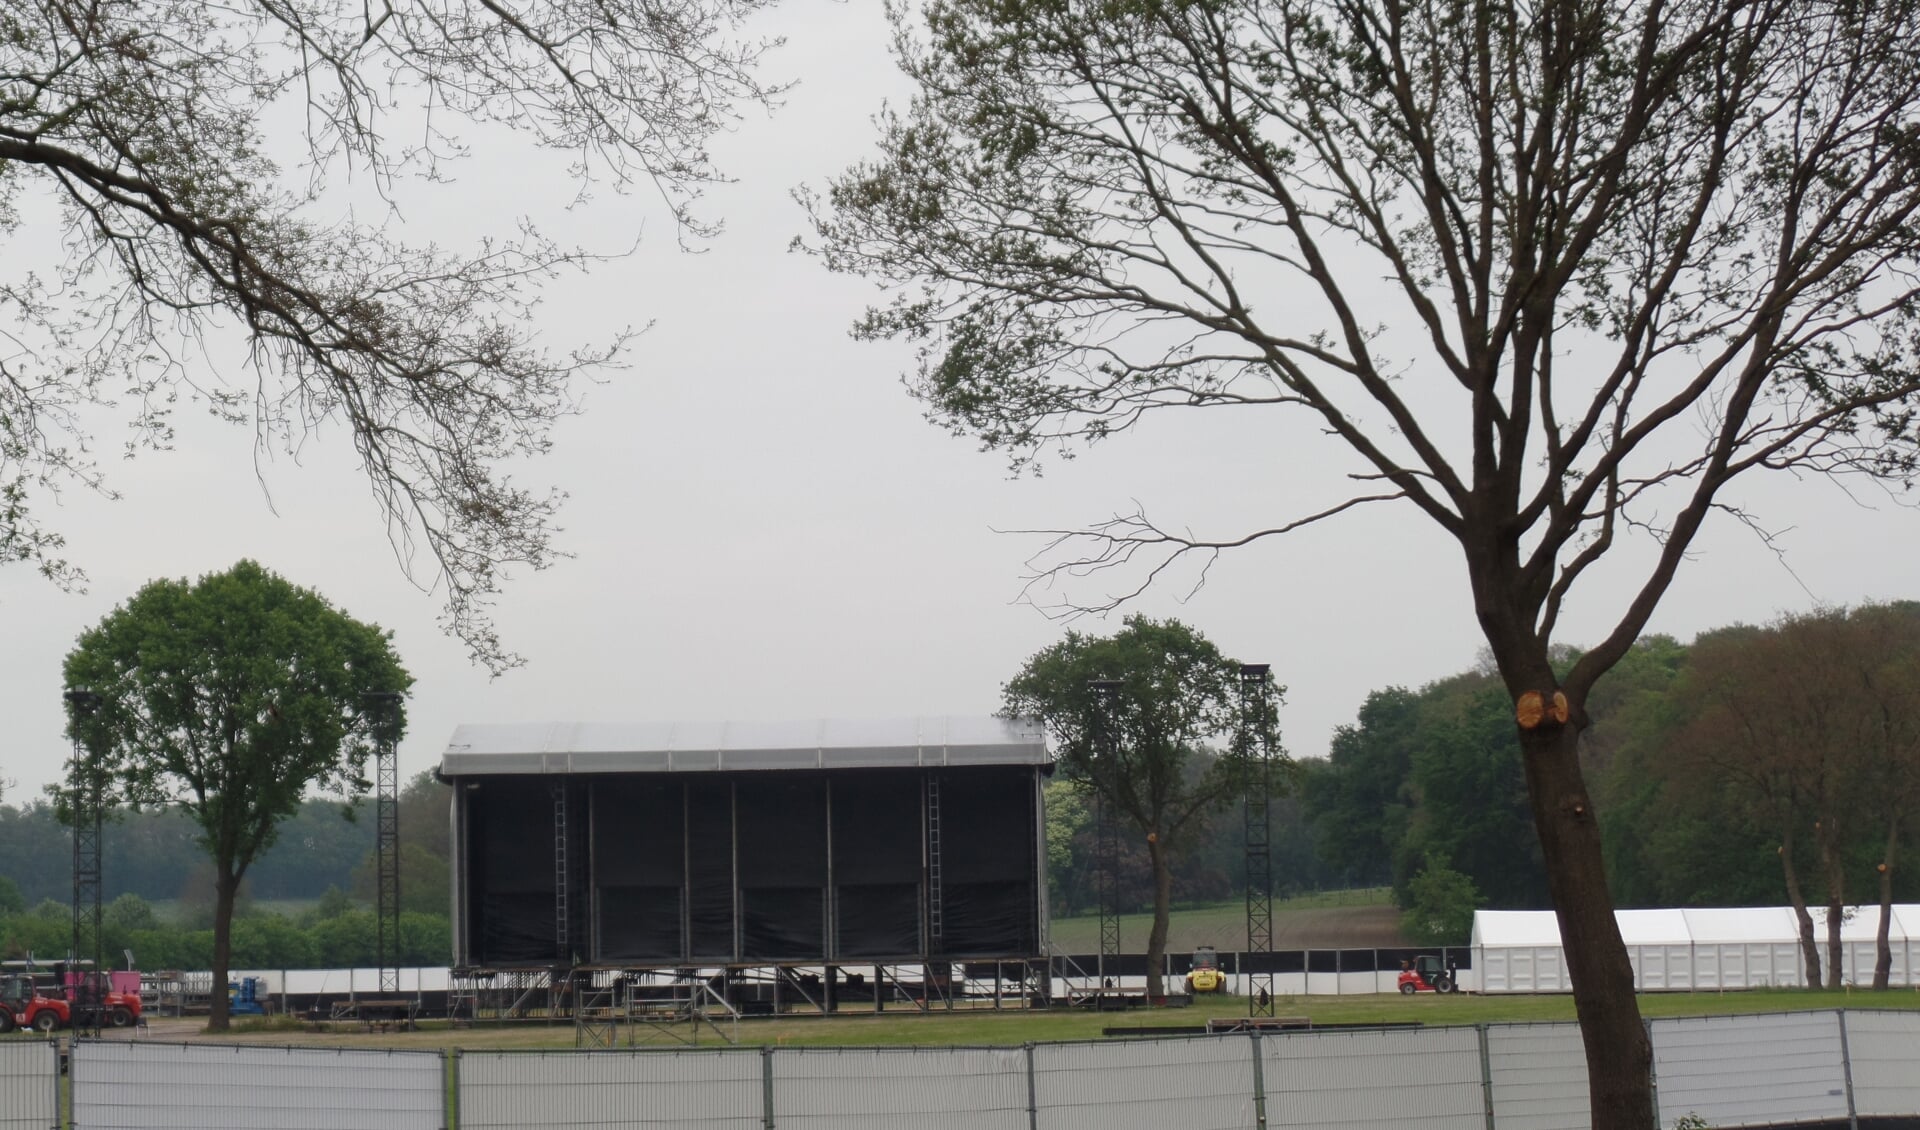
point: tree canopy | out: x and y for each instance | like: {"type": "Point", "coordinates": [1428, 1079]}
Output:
{"type": "Point", "coordinates": [158, 129]}
{"type": "Point", "coordinates": [1552, 275]}
{"type": "Point", "coordinates": [1176, 738]}
{"type": "Point", "coordinates": [231, 697]}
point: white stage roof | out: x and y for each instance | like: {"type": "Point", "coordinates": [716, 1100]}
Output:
{"type": "Point", "coordinates": [685, 747]}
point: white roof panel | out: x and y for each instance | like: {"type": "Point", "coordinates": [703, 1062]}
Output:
{"type": "Point", "coordinates": [1652, 927]}
{"type": "Point", "coordinates": [678, 747]}
{"type": "Point", "coordinates": [1715, 925]}
{"type": "Point", "coordinates": [1703, 926]}
{"type": "Point", "coordinates": [1515, 928]}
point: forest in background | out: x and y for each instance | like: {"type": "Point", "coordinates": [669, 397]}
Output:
{"type": "Point", "coordinates": [1724, 769]}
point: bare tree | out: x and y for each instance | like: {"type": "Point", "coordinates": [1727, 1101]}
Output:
{"type": "Point", "coordinates": [1555, 273]}
{"type": "Point", "coordinates": [150, 123]}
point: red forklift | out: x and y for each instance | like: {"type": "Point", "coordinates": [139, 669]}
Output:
{"type": "Point", "coordinates": [97, 999]}
{"type": "Point", "coordinates": [1426, 974]}
{"type": "Point", "coordinates": [25, 1002]}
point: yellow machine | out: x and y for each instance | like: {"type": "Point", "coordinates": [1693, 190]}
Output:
{"type": "Point", "coordinates": [1205, 976]}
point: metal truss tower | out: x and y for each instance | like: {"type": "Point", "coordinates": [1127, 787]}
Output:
{"type": "Point", "coordinates": [384, 708]}
{"type": "Point", "coordinates": [1256, 738]}
{"type": "Point", "coordinates": [88, 799]}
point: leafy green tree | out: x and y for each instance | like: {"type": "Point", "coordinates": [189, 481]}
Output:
{"type": "Point", "coordinates": [426, 814]}
{"type": "Point", "coordinates": [1548, 276]}
{"type": "Point", "coordinates": [1070, 864]}
{"type": "Point", "coordinates": [1178, 701]}
{"type": "Point", "coordinates": [332, 904]}
{"type": "Point", "coordinates": [1358, 796]}
{"type": "Point", "coordinates": [130, 912]}
{"type": "Point", "coordinates": [1469, 794]}
{"type": "Point", "coordinates": [35, 851]}
{"type": "Point", "coordinates": [11, 901]}
{"type": "Point", "coordinates": [231, 697]}
{"type": "Point", "coordinates": [1440, 907]}
{"type": "Point", "coordinates": [35, 933]}
{"type": "Point", "coordinates": [347, 940]}
{"type": "Point", "coordinates": [425, 883]}
{"type": "Point", "coordinates": [148, 130]}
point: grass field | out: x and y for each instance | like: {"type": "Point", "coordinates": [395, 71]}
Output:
{"type": "Point", "coordinates": [984, 1027]}
{"type": "Point", "coordinates": [1356, 919]}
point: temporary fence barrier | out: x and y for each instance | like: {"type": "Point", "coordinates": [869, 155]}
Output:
{"type": "Point", "coordinates": [898, 1088]}
{"type": "Point", "coordinates": [139, 1084]}
{"type": "Point", "coordinates": [1829, 1068]}
{"type": "Point", "coordinates": [1536, 1076]}
{"type": "Point", "coordinates": [1751, 1070]}
{"type": "Point", "coordinates": [1197, 1083]}
{"type": "Point", "coordinates": [29, 1084]}
{"type": "Point", "coordinates": [688, 1090]}
{"type": "Point", "coordinates": [1409, 1078]}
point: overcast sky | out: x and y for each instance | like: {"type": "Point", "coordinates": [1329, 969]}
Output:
{"type": "Point", "coordinates": [764, 527]}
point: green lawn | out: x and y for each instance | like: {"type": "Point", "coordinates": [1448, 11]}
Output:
{"type": "Point", "coordinates": [977, 1027]}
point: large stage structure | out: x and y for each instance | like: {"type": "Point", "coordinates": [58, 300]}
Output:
{"type": "Point", "coordinates": [595, 853]}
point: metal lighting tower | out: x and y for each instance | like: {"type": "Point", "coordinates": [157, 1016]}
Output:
{"type": "Point", "coordinates": [87, 798]}
{"type": "Point", "coordinates": [1107, 698]}
{"type": "Point", "coordinates": [1256, 738]}
{"type": "Point", "coordinates": [383, 708]}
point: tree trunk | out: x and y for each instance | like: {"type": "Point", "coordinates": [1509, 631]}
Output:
{"type": "Point", "coordinates": [225, 884]}
{"type": "Point", "coordinates": [1828, 838]}
{"type": "Point", "coordinates": [1809, 952]}
{"type": "Point", "coordinates": [1162, 914]}
{"type": "Point", "coordinates": [1882, 951]}
{"type": "Point", "coordinates": [1619, 1054]}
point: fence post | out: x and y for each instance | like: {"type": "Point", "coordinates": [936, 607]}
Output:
{"type": "Point", "coordinates": [1846, 1069]}
{"type": "Point", "coordinates": [1486, 1073]}
{"type": "Point", "coordinates": [1033, 1097]}
{"type": "Point", "coordinates": [450, 1088]}
{"type": "Point", "coordinates": [1259, 1081]}
{"type": "Point", "coordinates": [53, 1049]}
{"type": "Point", "coordinates": [766, 1087]}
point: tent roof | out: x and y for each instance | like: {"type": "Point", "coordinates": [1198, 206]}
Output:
{"type": "Point", "coordinates": [1515, 928]}
{"type": "Point", "coordinates": [1653, 927]}
{"type": "Point", "coordinates": [1740, 923]}
{"type": "Point", "coordinates": [1700, 926]}
{"type": "Point", "coordinates": [478, 749]}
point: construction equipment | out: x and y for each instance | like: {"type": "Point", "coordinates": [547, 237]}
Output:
{"type": "Point", "coordinates": [1426, 974]}
{"type": "Point", "coordinates": [99, 999]}
{"type": "Point", "coordinates": [1205, 975]}
{"type": "Point", "coordinates": [24, 1003]}
{"type": "Point", "coordinates": [243, 999]}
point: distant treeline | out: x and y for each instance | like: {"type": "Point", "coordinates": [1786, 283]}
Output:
{"type": "Point", "coordinates": [1714, 766]}
{"type": "Point", "coordinates": [323, 854]}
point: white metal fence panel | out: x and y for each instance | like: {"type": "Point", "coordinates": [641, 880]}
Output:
{"type": "Point", "coordinates": [900, 1089]}
{"type": "Point", "coordinates": [1538, 1075]}
{"type": "Point", "coordinates": [1374, 1080]}
{"type": "Point", "coordinates": [141, 1085]}
{"type": "Point", "coordinates": [1195, 1083]}
{"type": "Point", "coordinates": [1884, 1049]}
{"type": "Point", "coordinates": [687, 1090]}
{"type": "Point", "coordinates": [1750, 1070]}
{"type": "Point", "coordinates": [29, 1084]}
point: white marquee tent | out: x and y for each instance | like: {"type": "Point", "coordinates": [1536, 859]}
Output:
{"type": "Point", "coordinates": [1518, 951]}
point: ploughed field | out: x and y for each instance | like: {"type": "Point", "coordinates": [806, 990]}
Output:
{"type": "Point", "coordinates": [1359, 919]}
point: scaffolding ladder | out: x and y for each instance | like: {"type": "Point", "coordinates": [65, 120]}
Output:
{"type": "Point", "coordinates": [936, 924]}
